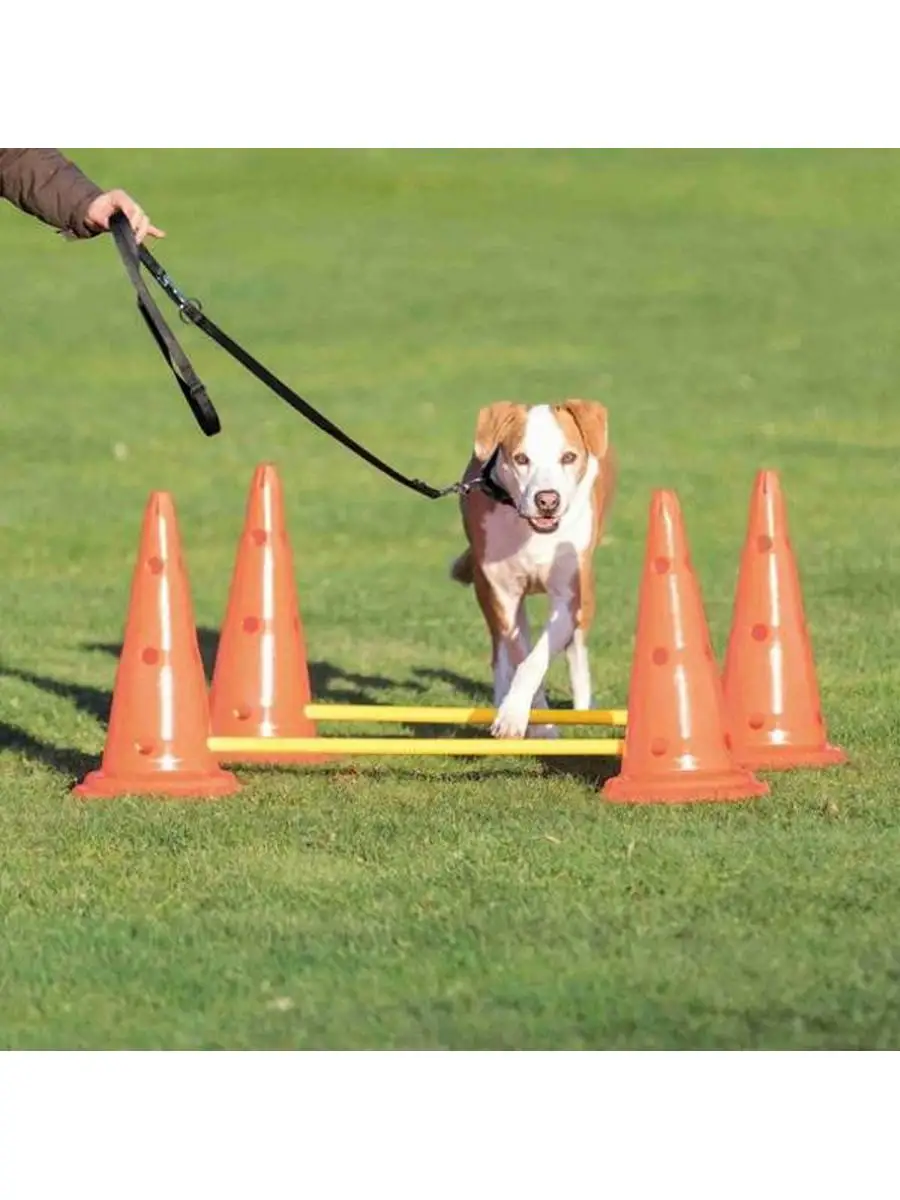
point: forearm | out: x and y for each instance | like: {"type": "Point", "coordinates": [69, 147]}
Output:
{"type": "Point", "coordinates": [46, 185]}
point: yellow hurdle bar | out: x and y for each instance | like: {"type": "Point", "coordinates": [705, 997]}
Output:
{"type": "Point", "coordinates": [398, 715]}
{"type": "Point", "coordinates": [414, 747]}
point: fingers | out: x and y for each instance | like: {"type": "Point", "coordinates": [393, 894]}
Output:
{"type": "Point", "coordinates": [140, 223]}
{"type": "Point", "coordinates": [103, 207]}
{"type": "Point", "coordinates": [137, 218]}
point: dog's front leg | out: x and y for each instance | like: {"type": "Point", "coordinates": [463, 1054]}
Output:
{"type": "Point", "coordinates": [504, 610]}
{"type": "Point", "coordinates": [511, 652]}
{"type": "Point", "coordinates": [579, 671]}
{"type": "Point", "coordinates": [507, 655]}
{"type": "Point", "coordinates": [512, 718]}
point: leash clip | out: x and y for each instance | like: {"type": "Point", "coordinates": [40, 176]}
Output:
{"type": "Point", "coordinates": [189, 310]}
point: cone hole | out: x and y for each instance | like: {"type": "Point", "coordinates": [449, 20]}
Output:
{"type": "Point", "coordinates": [243, 712]}
{"type": "Point", "coordinates": [660, 656]}
{"type": "Point", "coordinates": [145, 747]}
{"type": "Point", "coordinates": [756, 721]}
{"type": "Point", "coordinates": [150, 655]}
{"type": "Point", "coordinates": [659, 746]}
{"type": "Point", "coordinates": [820, 720]}
{"type": "Point", "coordinates": [708, 651]}
{"type": "Point", "coordinates": [759, 632]}
{"type": "Point", "coordinates": [727, 740]}
{"type": "Point", "coordinates": [250, 624]}
{"type": "Point", "coordinates": [155, 565]}
{"type": "Point", "coordinates": [259, 537]}
{"type": "Point", "coordinates": [662, 565]}
{"type": "Point", "coordinates": [764, 543]}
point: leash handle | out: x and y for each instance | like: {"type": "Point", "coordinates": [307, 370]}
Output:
{"type": "Point", "coordinates": [179, 364]}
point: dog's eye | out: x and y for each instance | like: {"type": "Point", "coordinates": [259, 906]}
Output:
{"type": "Point", "coordinates": [568, 457]}
{"type": "Point", "coordinates": [521, 460]}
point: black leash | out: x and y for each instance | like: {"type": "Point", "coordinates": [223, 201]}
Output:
{"type": "Point", "coordinates": [179, 364]}
{"type": "Point", "coordinates": [191, 311]}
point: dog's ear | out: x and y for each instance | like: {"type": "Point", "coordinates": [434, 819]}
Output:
{"type": "Point", "coordinates": [591, 419]}
{"type": "Point", "coordinates": [493, 422]}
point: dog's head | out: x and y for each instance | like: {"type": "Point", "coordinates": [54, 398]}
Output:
{"type": "Point", "coordinates": [543, 453]}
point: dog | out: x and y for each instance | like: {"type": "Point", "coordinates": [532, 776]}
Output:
{"type": "Point", "coordinates": [546, 479]}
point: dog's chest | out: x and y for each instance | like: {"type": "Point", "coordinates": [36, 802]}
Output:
{"type": "Point", "coordinates": [516, 558]}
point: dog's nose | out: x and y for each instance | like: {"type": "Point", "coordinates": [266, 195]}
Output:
{"type": "Point", "coordinates": [547, 502]}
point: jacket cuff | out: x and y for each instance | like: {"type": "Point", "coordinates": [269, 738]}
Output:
{"type": "Point", "coordinates": [77, 226]}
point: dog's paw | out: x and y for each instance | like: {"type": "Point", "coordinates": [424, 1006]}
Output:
{"type": "Point", "coordinates": [550, 732]}
{"type": "Point", "coordinates": [511, 720]}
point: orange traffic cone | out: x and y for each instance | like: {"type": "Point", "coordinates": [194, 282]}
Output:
{"type": "Point", "coordinates": [159, 721]}
{"type": "Point", "coordinates": [676, 747]}
{"type": "Point", "coordinates": [771, 692]}
{"type": "Point", "coordinates": [261, 678]}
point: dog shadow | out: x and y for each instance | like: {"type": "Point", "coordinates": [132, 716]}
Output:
{"type": "Point", "coordinates": [475, 691]}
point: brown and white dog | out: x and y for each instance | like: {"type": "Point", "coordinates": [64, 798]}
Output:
{"type": "Point", "coordinates": [550, 479]}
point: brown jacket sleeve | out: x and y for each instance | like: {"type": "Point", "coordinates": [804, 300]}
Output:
{"type": "Point", "coordinates": [45, 184]}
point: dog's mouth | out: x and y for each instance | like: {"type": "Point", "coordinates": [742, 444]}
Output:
{"type": "Point", "coordinates": [543, 524]}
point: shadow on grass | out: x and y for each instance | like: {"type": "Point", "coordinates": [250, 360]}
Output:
{"type": "Point", "coordinates": [329, 683]}
{"type": "Point", "coordinates": [593, 772]}
{"type": "Point", "coordinates": [94, 701]}
{"type": "Point", "coordinates": [476, 691]}
{"type": "Point", "coordinates": [74, 764]}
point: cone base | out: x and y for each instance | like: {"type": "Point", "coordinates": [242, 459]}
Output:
{"type": "Point", "coordinates": [684, 788]}
{"type": "Point", "coordinates": [787, 758]}
{"type": "Point", "coordinates": [183, 785]}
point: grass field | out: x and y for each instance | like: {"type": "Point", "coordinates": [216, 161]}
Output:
{"type": "Point", "coordinates": [735, 311]}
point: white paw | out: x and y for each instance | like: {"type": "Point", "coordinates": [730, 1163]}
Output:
{"type": "Point", "coordinates": [542, 731]}
{"type": "Point", "coordinates": [511, 720]}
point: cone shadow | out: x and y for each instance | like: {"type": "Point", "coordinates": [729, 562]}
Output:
{"type": "Point", "coordinates": [65, 760]}
{"type": "Point", "coordinates": [88, 699]}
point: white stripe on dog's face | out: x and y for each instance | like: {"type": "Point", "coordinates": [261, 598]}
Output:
{"type": "Point", "coordinates": [542, 462]}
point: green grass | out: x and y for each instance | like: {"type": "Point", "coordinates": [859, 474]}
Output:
{"type": "Point", "coordinates": [735, 311]}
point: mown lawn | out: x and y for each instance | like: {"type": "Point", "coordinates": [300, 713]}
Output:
{"type": "Point", "coordinates": [735, 311]}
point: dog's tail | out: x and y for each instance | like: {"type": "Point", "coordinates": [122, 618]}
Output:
{"type": "Point", "coordinates": [462, 569]}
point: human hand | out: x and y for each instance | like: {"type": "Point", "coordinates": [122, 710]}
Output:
{"type": "Point", "coordinates": [102, 208]}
